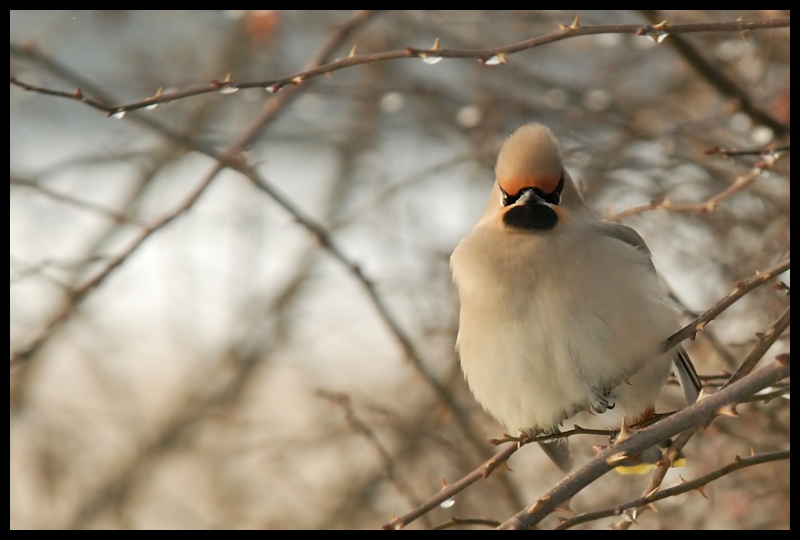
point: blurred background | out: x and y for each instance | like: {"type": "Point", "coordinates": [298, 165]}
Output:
{"type": "Point", "coordinates": [232, 373]}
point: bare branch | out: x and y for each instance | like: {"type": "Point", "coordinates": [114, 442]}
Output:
{"type": "Point", "coordinates": [484, 55]}
{"type": "Point", "coordinates": [451, 490]}
{"type": "Point", "coordinates": [765, 341]}
{"type": "Point", "coordinates": [742, 288]}
{"type": "Point", "coordinates": [661, 472]}
{"type": "Point", "coordinates": [342, 400]}
{"type": "Point", "coordinates": [708, 205]}
{"type": "Point", "coordinates": [684, 487]}
{"type": "Point", "coordinates": [695, 415]}
{"type": "Point", "coordinates": [456, 522]}
{"type": "Point", "coordinates": [87, 205]}
{"type": "Point", "coordinates": [718, 79]}
{"type": "Point", "coordinates": [771, 149]}
{"type": "Point", "coordinates": [229, 157]}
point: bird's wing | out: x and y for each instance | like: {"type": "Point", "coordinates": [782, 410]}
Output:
{"type": "Point", "coordinates": [626, 234]}
{"type": "Point", "coordinates": [687, 376]}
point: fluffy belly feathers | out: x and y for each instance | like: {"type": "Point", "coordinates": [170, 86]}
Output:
{"type": "Point", "coordinates": [536, 360]}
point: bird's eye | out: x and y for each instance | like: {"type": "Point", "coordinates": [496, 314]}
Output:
{"type": "Point", "coordinates": [508, 199]}
{"type": "Point", "coordinates": [555, 196]}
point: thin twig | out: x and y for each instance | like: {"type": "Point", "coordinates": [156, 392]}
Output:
{"type": "Point", "coordinates": [455, 522]}
{"type": "Point", "coordinates": [765, 341]}
{"type": "Point", "coordinates": [86, 205]}
{"type": "Point", "coordinates": [717, 78]}
{"type": "Point", "coordinates": [484, 55]}
{"type": "Point", "coordinates": [709, 205]}
{"type": "Point", "coordinates": [741, 289]}
{"type": "Point", "coordinates": [660, 472]}
{"type": "Point", "coordinates": [697, 414]}
{"type": "Point", "coordinates": [230, 157]}
{"type": "Point", "coordinates": [763, 151]}
{"type": "Point", "coordinates": [684, 487]}
{"type": "Point", "coordinates": [359, 426]}
{"type": "Point", "coordinates": [451, 490]}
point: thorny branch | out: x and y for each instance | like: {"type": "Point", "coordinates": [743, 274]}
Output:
{"type": "Point", "coordinates": [766, 340]}
{"type": "Point", "coordinates": [490, 56]}
{"type": "Point", "coordinates": [228, 157]}
{"type": "Point", "coordinates": [456, 522]}
{"type": "Point", "coordinates": [234, 159]}
{"type": "Point", "coordinates": [742, 288]}
{"type": "Point", "coordinates": [661, 472]}
{"type": "Point", "coordinates": [356, 424]}
{"type": "Point", "coordinates": [697, 484]}
{"type": "Point", "coordinates": [771, 149]}
{"type": "Point", "coordinates": [694, 415]}
{"type": "Point", "coordinates": [482, 472]}
{"type": "Point", "coordinates": [718, 78]}
{"type": "Point", "coordinates": [709, 205]}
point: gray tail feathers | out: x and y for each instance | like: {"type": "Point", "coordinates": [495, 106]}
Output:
{"type": "Point", "coordinates": [687, 376]}
{"type": "Point", "coordinates": [558, 452]}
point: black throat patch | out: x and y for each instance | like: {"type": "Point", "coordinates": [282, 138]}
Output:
{"type": "Point", "coordinates": [533, 216]}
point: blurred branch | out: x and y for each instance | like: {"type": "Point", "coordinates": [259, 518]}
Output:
{"type": "Point", "coordinates": [407, 346]}
{"type": "Point", "coordinates": [78, 294]}
{"type": "Point", "coordinates": [717, 78]}
{"type": "Point", "coordinates": [771, 149]}
{"type": "Point", "coordinates": [86, 265]}
{"type": "Point", "coordinates": [694, 415]}
{"type": "Point", "coordinates": [685, 486]}
{"type": "Point", "coordinates": [197, 406]}
{"type": "Point", "coordinates": [495, 55]}
{"type": "Point", "coordinates": [765, 341]}
{"type": "Point", "coordinates": [456, 522]}
{"type": "Point", "coordinates": [482, 472]}
{"type": "Point", "coordinates": [342, 400]}
{"type": "Point", "coordinates": [708, 205]}
{"type": "Point", "coordinates": [234, 159]}
{"type": "Point", "coordinates": [226, 158]}
{"type": "Point", "coordinates": [742, 288]}
{"type": "Point", "coordinates": [87, 205]}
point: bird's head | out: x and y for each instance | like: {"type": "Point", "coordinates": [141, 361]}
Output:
{"type": "Point", "coordinates": [533, 189]}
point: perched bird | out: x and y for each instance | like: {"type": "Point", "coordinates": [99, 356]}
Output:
{"type": "Point", "coordinates": [562, 315]}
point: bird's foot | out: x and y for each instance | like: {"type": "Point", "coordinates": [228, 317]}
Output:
{"type": "Point", "coordinates": [600, 401]}
{"type": "Point", "coordinates": [521, 439]}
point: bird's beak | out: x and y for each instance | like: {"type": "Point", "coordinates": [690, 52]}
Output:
{"type": "Point", "coordinates": [529, 196]}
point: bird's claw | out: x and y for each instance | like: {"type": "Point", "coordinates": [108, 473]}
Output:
{"type": "Point", "coordinates": [600, 402]}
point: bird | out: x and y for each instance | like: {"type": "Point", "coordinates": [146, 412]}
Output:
{"type": "Point", "coordinates": [562, 316]}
